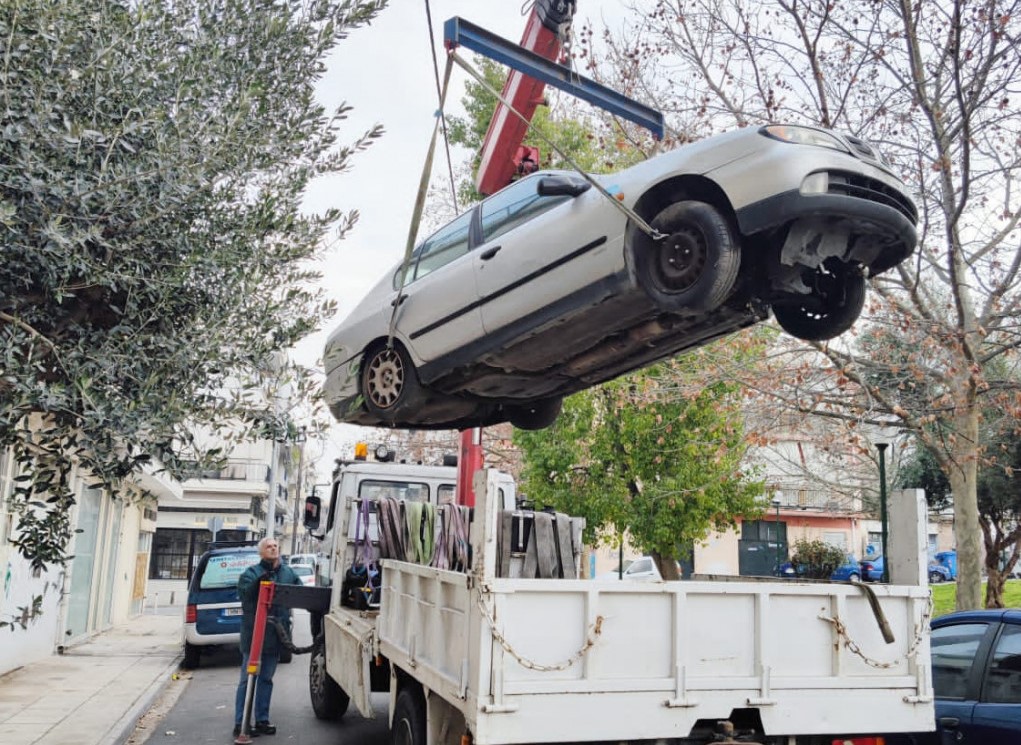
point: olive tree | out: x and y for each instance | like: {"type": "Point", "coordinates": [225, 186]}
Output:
{"type": "Point", "coordinates": [154, 155]}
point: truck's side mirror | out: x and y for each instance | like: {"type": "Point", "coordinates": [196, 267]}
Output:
{"type": "Point", "coordinates": [312, 507]}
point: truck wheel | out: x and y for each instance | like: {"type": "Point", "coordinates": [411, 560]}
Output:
{"type": "Point", "coordinates": [695, 266]}
{"type": "Point", "coordinates": [191, 656]}
{"type": "Point", "coordinates": [328, 699]}
{"type": "Point", "coordinates": [409, 718]}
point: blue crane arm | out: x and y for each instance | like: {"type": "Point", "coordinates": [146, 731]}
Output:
{"type": "Point", "coordinates": [459, 32]}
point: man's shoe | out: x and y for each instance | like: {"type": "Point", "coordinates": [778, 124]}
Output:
{"type": "Point", "coordinates": [264, 728]}
{"type": "Point", "coordinates": [252, 732]}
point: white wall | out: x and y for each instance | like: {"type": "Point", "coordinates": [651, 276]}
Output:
{"type": "Point", "coordinates": [20, 585]}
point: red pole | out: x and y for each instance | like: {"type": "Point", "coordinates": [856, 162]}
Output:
{"type": "Point", "coordinates": [255, 658]}
{"type": "Point", "coordinates": [469, 461]}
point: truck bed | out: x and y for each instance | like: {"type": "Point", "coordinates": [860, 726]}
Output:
{"type": "Point", "coordinates": [538, 660]}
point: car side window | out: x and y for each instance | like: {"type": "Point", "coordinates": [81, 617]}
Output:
{"type": "Point", "coordinates": [953, 654]}
{"type": "Point", "coordinates": [642, 565]}
{"type": "Point", "coordinates": [1003, 683]}
{"type": "Point", "coordinates": [513, 206]}
{"type": "Point", "coordinates": [443, 246]}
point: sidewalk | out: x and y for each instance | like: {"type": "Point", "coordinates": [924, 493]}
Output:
{"type": "Point", "coordinates": [95, 692]}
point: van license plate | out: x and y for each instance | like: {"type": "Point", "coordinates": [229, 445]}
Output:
{"type": "Point", "coordinates": [233, 612]}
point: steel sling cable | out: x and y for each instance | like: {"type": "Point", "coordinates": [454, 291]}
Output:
{"type": "Point", "coordinates": [640, 223]}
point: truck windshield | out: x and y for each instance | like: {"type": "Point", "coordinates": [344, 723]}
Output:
{"type": "Point", "coordinates": [409, 490]}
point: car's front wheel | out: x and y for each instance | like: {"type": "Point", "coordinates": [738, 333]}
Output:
{"type": "Point", "coordinates": [536, 415]}
{"type": "Point", "coordinates": [935, 578]}
{"type": "Point", "coordinates": [694, 267]}
{"type": "Point", "coordinates": [389, 382]}
{"type": "Point", "coordinates": [836, 301]}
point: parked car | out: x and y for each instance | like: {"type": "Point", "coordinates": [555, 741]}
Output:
{"type": "Point", "coordinates": [213, 613]}
{"type": "Point", "coordinates": [306, 559]}
{"type": "Point", "coordinates": [976, 679]}
{"type": "Point", "coordinates": [643, 569]}
{"type": "Point", "coordinates": [546, 288]}
{"type": "Point", "coordinates": [306, 574]}
{"type": "Point", "coordinates": [872, 571]}
{"type": "Point", "coordinates": [849, 571]}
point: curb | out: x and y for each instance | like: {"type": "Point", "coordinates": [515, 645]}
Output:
{"type": "Point", "coordinates": [123, 728]}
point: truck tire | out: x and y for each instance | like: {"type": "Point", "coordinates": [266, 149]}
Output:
{"type": "Point", "coordinates": [328, 699]}
{"type": "Point", "coordinates": [192, 656]}
{"type": "Point", "coordinates": [408, 726]}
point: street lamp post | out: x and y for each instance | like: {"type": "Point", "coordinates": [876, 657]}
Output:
{"type": "Point", "coordinates": [881, 447]}
{"type": "Point", "coordinates": [299, 440]}
{"type": "Point", "coordinates": [776, 503]}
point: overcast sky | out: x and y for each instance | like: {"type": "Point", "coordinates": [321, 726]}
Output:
{"type": "Point", "coordinates": [385, 71]}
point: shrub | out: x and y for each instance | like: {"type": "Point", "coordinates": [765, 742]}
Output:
{"type": "Point", "coordinates": [817, 559]}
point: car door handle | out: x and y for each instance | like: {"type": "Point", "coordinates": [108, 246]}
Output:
{"type": "Point", "coordinates": [398, 300]}
{"type": "Point", "coordinates": [490, 253]}
{"type": "Point", "coordinates": [949, 722]}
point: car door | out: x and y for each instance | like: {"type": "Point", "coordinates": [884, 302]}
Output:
{"type": "Point", "coordinates": [438, 305]}
{"type": "Point", "coordinates": [959, 651]}
{"type": "Point", "coordinates": [536, 250]}
{"type": "Point", "coordinates": [996, 719]}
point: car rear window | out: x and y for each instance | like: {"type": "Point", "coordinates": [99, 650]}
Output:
{"type": "Point", "coordinates": [223, 570]}
{"type": "Point", "coordinates": [302, 570]}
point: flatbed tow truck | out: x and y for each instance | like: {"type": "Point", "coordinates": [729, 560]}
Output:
{"type": "Point", "coordinates": [512, 647]}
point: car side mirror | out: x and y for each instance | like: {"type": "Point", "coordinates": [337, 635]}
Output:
{"type": "Point", "coordinates": [313, 505]}
{"type": "Point", "coordinates": [561, 186]}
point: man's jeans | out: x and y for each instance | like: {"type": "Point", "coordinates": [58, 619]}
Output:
{"type": "Point", "coordinates": [263, 688]}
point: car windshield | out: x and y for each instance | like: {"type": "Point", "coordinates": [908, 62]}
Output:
{"type": "Point", "coordinates": [223, 570]}
{"type": "Point", "coordinates": [302, 570]}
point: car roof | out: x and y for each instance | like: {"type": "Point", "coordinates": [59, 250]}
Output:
{"type": "Point", "coordinates": [983, 615]}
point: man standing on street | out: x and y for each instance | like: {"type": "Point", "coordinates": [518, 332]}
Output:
{"type": "Point", "coordinates": [269, 569]}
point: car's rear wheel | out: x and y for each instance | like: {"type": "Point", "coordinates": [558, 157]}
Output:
{"type": "Point", "coordinates": [192, 656]}
{"type": "Point", "coordinates": [536, 415]}
{"type": "Point", "coordinates": [389, 382]}
{"type": "Point", "coordinates": [854, 578]}
{"type": "Point", "coordinates": [695, 266]}
{"type": "Point", "coordinates": [836, 301]}
{"type": "Point", "coordinates": [935, 578]}
{"type": "Point", "coordinates": [328, 699]}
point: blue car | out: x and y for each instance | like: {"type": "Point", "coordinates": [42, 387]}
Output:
{"type": "Point", "coordinates": [976, 679]}
{"type": "Point", "coordinates": [213, 614]}
{"type": "Point", "coordinates": [872, 571]}
{"type": "Point", "coordinates": [849, 571]}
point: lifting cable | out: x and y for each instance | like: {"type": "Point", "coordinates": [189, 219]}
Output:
{"type": "Point", "coordinates": [628, 212]}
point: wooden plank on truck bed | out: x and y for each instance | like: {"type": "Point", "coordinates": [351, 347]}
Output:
{"type": "Point", "coordinates": [546, 546]}
{"type": "Point", "coordinates": [564, 550]}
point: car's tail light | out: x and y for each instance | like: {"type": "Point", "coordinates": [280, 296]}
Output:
{"type": "Point", "coordinates": [860, 741]}
{"type": "Point", "coordinates": [190, 613]}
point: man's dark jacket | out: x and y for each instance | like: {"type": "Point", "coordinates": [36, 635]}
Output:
{"type": "Point", "coordinates": [248, 590]}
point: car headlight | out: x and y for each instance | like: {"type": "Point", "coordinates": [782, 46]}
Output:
{"type": "Point", "coordinates": [803, 136]}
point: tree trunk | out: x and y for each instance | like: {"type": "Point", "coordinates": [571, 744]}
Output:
{"type": "Point", "coordinates": [963, 482]}
{"type": "Point", "coordinates": [994, 585]}
{"type": "Point", "coordinates": [667, 567]}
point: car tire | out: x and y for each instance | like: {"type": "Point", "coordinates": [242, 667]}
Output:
{"type": "Point", "coordinates": [854, 578]}
{"type": "Point", "coordinates": [389, 382]}
{"type": "Point", "coordinates": [935, 578]}
{"type": "Point", "coordinates": [328, 699]}
{"type": "Point", "coordinates": [285, 657]}
{"type": "Point", "coordinates": [834, 305]}
{"type": "Point", "coordinates": [537, 415]}
{"type": "Point", "coordinates": [695, 267]}
{"type": "Point", "coordinates": [408, 726]}
{"type": "Point", "coordinates": [192, 656]}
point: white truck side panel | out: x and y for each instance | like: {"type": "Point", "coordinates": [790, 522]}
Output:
{"type": "Point", "coordinates": [663, 655]}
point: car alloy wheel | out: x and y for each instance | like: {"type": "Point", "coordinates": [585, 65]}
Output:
{"type": "Point", "coordinates": [389, 382]}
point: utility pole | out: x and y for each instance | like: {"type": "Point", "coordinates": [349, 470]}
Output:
{"type": "Point", "coordinates": [271, 508]}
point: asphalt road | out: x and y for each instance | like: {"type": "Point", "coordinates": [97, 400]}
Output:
{"type": "Point", "coordinates": [204, 713]}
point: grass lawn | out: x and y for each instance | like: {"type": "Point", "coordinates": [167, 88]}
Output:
{"type": "Point", "coordinates": [945, 595]}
